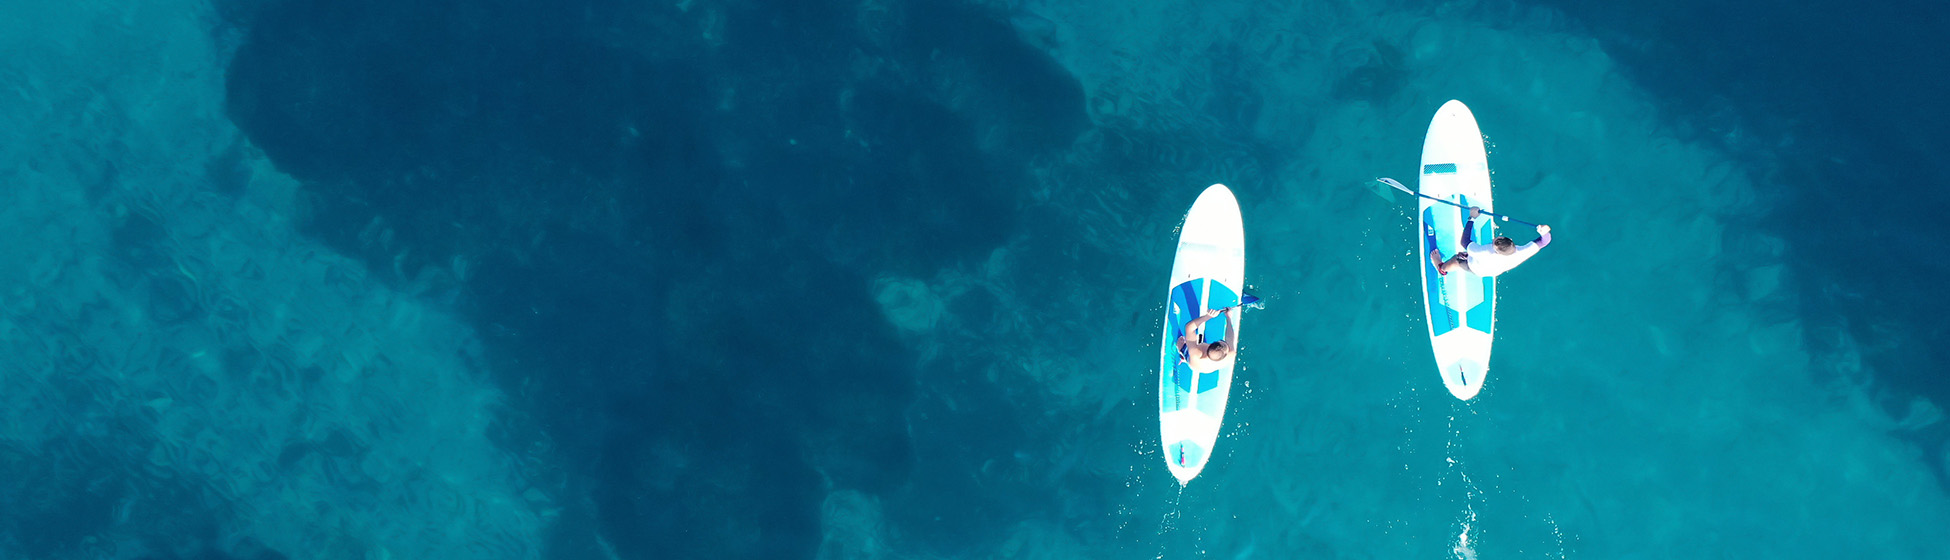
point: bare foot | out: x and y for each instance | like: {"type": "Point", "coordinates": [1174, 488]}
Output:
{"type": "Point", "coordinates": [1435, 258]}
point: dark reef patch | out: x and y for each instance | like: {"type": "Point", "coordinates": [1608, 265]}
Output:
{"type": "Point", "coordinates": [1382, 72]}
{"type": "Point", "coordinates": [1838, 99]}
{"type": "Point", "coordinates": [63, 493]}
{"type": "Point", "coordinates": [669, 222]}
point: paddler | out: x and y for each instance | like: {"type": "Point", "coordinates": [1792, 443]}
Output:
{"type": "Point", "coordinates": [1203, 356]}
{"type": "Point", "coordinates": [1493, 259]}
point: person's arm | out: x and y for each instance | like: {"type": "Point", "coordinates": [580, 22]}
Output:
{"type": "Point", "coordinates": [1197, 326]}
{"type": "Point", "coordinates": [1530, 249]}
{"type": "Point", "coordinates": [1232, 328]}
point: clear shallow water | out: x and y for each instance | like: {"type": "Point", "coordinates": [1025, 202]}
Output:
{"type": "Point", "coordinates": [309, 279]}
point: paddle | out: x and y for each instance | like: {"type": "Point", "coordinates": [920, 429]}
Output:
{"type": "Point", "coordinates": [1247, 301]}
{"type": "Point", "coordinates": [1399, 187]}
{"type": "Point", "coordinates": [1250, 301]}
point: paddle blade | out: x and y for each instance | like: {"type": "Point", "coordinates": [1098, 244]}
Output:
{"type": "Point", "coordinates": [1250, 301]}
{"type": "Point", "coordinates": [1380, 188]}
{"type": "Point", "coordinates": [1387, 188]}
{"type": "Point", "coordinates": [1395, 185]}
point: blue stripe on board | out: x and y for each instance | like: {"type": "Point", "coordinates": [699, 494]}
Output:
{"type": "Point", "coordinates": [1184, 299]}
{"type": "Point", "coordinates": [1177, 385]}
{"type": "Point", "coordinates": [1442, 319]}
{"type": "Point", "coordinates": [1437, 168]}
{"type": "Point", "coordinates": [1192, 308]}
{"type": "Point", "coordinates": [1481, 316]}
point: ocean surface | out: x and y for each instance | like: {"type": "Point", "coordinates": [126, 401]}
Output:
{"type": "Point", "coordinates": [875, 279]}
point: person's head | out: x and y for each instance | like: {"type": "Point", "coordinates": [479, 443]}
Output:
{"type": "Point", "coordinates": [1505, 246]}
{"type": "Point", "coordinates": [1217, 350]}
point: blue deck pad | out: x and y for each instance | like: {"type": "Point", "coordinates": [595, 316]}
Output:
{"type": "Point", "coordinates": [1450, 311]}
{"type": "Point", "coordinates": [1185, 306]}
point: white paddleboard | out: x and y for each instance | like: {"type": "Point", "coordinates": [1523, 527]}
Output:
{"type": "Point", "coordinates": [1461, 306]}
{"type": "Point", "coordinates": [1208, 273]}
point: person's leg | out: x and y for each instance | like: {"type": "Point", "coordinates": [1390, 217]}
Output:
{"type": "Point", "coordinates": [1435, 256]}
{"type": "Point", "coordinates": [1443, 267]}
{"type": "Point", "coordinates": [1450, 264]}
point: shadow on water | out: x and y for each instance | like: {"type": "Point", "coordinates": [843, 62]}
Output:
{"type": "Point", "coordinates": [1841, 101]}
{"type": "Point", "coordinates": [670, 221]}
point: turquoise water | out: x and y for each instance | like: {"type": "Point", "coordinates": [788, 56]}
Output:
{"type": "Point", "coordinates": [883, 279]}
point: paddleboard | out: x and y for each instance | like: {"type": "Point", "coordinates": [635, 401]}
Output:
{"type": "Point", "coordinates": [1208, 272]}
{"type": "Point", "coordinates": [1461, 306]}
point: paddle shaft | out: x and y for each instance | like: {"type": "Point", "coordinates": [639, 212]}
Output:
{"type": "Point", "coordinates": [1245, 302]}
{"type": "Point", "coordinates": [1399, 187]}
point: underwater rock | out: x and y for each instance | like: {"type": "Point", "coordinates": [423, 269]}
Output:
{"type": "Point", "coordinates": [1381, 72]}
{"type": "Point", "coordinates": [853, 527]}
{"type": "Point", "coordinates": [908, 303]}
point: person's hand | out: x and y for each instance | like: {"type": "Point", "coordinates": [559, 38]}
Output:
{"type": "Point", "coordinates": [1543, 229]}
{"type": "Point", "coordinates": [1474, 212]}
{"type": "Point", "coordinates": [1210, 313]}
{"type": "Point", "coordinates": [1462, 256]}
